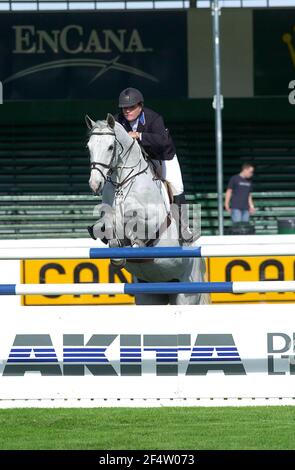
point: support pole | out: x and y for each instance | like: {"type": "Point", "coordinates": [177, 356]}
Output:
{"type": "Point", "coordinates": [218, 105]}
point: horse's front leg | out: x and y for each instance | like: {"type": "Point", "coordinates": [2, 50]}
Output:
{"type": "Point", "coordinates": [117, 262]}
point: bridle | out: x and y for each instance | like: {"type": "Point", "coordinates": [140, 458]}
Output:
{"type": "Point", "coordinates": [96, 165]}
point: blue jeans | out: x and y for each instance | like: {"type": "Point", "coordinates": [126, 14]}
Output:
{"type": "Point", "coordinates": [239, 215]}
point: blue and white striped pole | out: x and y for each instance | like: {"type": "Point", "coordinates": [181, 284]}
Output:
{"type": "Point", "coordinates": [147, 288]}
{"type": "Point", "coordinates": [205, 251]}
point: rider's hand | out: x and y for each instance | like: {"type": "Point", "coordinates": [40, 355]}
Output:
{"type": "Point", "coordinates": [134, 135]}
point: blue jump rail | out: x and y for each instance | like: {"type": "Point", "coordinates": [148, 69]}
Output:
{"type": "Point", "coordinates": [155, 252]}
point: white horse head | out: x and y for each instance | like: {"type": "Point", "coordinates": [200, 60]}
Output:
{"type": "Point", "coordinates": [103, 151]}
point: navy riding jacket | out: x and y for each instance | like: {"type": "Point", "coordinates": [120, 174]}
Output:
{"type": "Point", "coordinates": [155, 137]}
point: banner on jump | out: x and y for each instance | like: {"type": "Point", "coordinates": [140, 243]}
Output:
{"type": "Point", "coordinates": [92, 55]}
{"type": "Point", "coordinates": [274, 51]}
{"type": "Point", "coordinates": [260, 268]}
{"type": "Point", "coordinates": [226, 269]}
{"type": "Point", "coordinates": [213, 351]}
{"type": "Point", "coordinates": [73, 271]}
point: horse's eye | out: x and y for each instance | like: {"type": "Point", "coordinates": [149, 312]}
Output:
{"type": "Point", "coordinates": [111, 147]}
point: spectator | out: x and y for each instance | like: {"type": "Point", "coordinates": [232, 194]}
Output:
{"type": "Point", "coordinates": [238, 197]}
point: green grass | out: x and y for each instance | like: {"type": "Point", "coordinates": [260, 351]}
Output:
{"type": "Point", "coordinates": [149, 428]}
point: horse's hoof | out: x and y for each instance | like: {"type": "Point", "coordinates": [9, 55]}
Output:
{"type": "Point", "coordinates": [189, 237]}
{"type": "Point", "coordinates": [118, 263]}
{"type": "Point", "coordinates": [138, 244]}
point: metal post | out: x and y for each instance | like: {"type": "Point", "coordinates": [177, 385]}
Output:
{"type": "Point", "coordinates": [218, 105]}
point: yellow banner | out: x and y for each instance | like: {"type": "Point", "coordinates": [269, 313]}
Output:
{"type": "Point", "coordinates": [277, 268]}
{"type": "Point", "coordinates": [274, 268]}
{"type": "Point", "coordinates": [69, 272]}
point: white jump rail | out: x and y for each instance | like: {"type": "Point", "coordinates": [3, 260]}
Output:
{"type": "Point", "coordinates": [153, 252]}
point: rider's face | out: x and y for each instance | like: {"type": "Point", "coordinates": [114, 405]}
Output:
{"type": "Point", "coordinates": [132, 112]}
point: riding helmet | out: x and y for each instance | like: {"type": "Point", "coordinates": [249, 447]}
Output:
{"type": "Point", "coordinates": [130, 97]}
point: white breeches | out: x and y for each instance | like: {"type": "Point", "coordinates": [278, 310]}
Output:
{"type": "Point", "coordinates": [172, 173]}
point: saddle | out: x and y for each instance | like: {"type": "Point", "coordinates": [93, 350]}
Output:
{"type": "Point", "coordinates": [167, 221]}
{"type": "Point", "coordinates": [157, 176]}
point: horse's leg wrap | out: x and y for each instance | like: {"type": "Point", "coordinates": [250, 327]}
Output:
{"type": "Point", "coordinates": [117, 262]}
{"type": "Point", "coordinates": [91, 231]}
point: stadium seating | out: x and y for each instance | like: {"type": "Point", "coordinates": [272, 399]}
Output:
{"type": "Point", "coordinates": [45, 165]}
{"type": "Point", "coordinates": [48, 159]}
{"type": "Point", "coordinates": [59, 216]}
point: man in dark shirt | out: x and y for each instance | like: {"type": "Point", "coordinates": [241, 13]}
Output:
{"type": "Point", "coordinates": [238, 197]}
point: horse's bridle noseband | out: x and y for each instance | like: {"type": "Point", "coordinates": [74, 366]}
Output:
{"type": "Point", "coordinates": [95, 165]}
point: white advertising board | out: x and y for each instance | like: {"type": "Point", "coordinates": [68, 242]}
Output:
{"type": "Point", "coordinates": [147, 353]}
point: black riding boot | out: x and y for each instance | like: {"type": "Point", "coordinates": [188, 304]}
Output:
{"type": "Point", "coordinates": [185, 233]}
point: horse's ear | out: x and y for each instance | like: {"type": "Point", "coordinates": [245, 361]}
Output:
{"type": "Point", "coordinates": [89, 122]}
{"type": "Point", "coordinates": [111, 121]}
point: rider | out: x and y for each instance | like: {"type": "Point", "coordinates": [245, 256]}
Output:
{"type": "Point", "coordinates": [149, 129]}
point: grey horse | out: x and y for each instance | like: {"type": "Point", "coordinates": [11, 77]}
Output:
{"type": "Point", "coordinates": [129, 184]}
